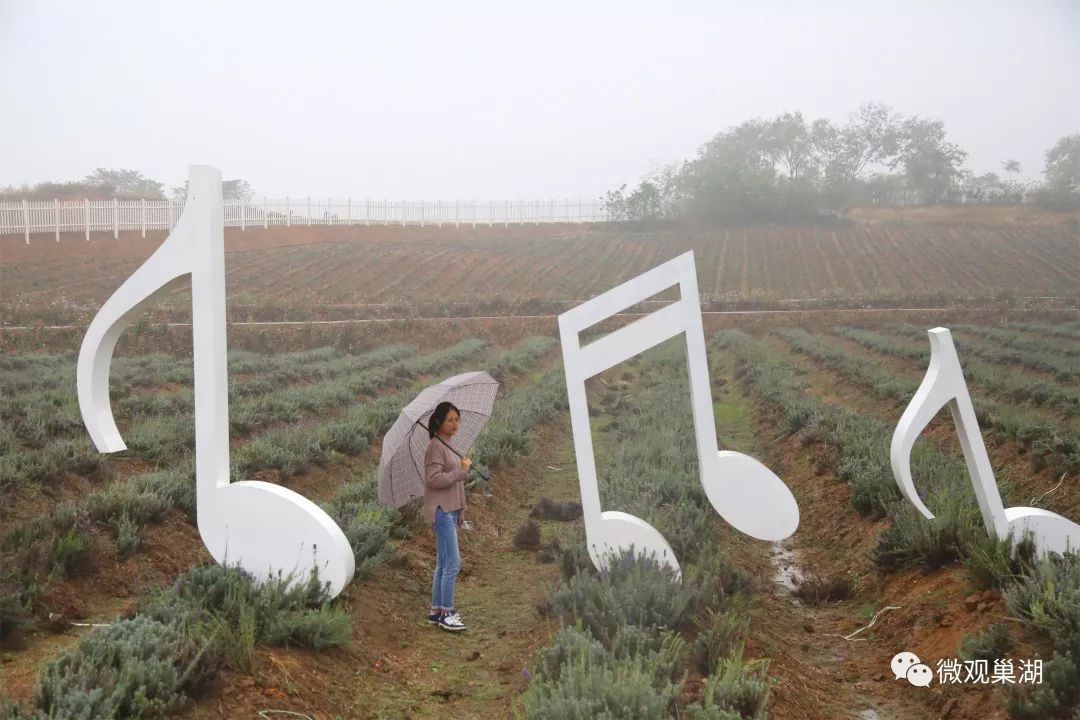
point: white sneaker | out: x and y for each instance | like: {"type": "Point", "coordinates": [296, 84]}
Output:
{"type": "Point", "coordinates": [452, 623]}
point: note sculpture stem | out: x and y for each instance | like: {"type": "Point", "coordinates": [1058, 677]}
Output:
{"type": "Point", "coordinates": [265, 528]}
{"type": "Point", "coordinates": [944, 385]}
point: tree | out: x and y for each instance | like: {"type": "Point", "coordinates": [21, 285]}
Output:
{"type": "Point", "coordinates": [644, 202]}
{"type": "Point", "coordinates": [883, 189]}
{"type": "Point", "coordinates": [982, 188]}
{"type": "Point", "coordinates": [127, 183]}
{"type": "Point", "coordinates": [1061, 191]}
{"type": "Point", "coordinates": [614, 202]}
{"type": "Point", "coordinates": [232, 191]}
{"type": "Point", "coordinates": [931, 165]}
{"type": "Point", "coordinates": [871, 137]}
{"type": "Point", "coordinates": [787, 169]}
{"type": "Point", "coordinates": [733, 177]}
{"type": "Point", "coordinates": [671, 199]}
{"type": "Point", "coordinates": [236, 190]}
{"type": "Point", "coordinates": [1011, 166]}
{"type": "Point", "coordinates": [1063, 164]}
{"type": "Point", "coordinates": [787, 142]}
{"type": "Point", "coordinates": [657, 197]}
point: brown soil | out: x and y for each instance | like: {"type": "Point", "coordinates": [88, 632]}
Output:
{"type": "Point", "coordinates": [964, 215]}
{"type": "Point", "coordinates": [498, 268]}
{"type": "Point", "coordinates": [821, 670]}
{"type": "Point", "coordinates": [410, 668]}
{"type": "Point", "coordinates": [397, 665]}
{"type": "Point", "coordinates": [100, 589]}
{"type": "Point", "coordinates": [131, 244]}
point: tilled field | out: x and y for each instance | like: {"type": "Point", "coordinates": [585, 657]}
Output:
{"type": "Point", "coordinates": [348, 273]}
{"type": "Point", "coordinates": [92, 539]}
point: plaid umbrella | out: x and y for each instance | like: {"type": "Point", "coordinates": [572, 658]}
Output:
{"type": "Point", "coordinates": [401, 468]}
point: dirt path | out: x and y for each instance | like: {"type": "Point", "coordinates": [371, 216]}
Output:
{"type": "Point", "coordinates": [821, 675]}
{"type": "Point", "coordinates": [399, 666]}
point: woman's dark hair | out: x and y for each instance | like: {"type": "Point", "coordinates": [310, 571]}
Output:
{"type": "Point", "coordinates": [439, 417]}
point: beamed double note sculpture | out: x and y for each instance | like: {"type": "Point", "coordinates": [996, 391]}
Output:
{"type": "Point", "coordinates": [262, 527]}
{"type": "Point", "coordinates": [742, 490]}
{"type": "Point", "coordinates": [944, 385]}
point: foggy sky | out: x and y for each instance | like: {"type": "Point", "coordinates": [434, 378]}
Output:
{"type": "Point", "coordinates": [496, 100]}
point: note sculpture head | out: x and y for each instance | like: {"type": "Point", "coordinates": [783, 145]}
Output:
{"type": "Point", "coordinates": [944, 385]}
{"type": "Point", "coordinates": [742, 490]}
{"type": "Point", "coordinates": [265, 528]}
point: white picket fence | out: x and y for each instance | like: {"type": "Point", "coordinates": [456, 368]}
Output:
{"type": "Point", "coordinates": [85, 216]}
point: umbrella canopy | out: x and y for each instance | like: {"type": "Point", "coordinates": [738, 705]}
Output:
{"type": "Point", "coordinates": [401, 468]}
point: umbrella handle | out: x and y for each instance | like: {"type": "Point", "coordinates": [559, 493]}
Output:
{"type": "Point", "coordinates": [451, 449]}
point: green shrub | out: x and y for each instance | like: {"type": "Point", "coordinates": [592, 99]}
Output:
{"type": "Point", "coordinates": [150, 404]}
{"type": "Point", "coordinates": [685, 524]}
{"type": "Point", "coordinates": [68, 549]}
{"type": "Point", "coordinates": [224, 590]}
{"type": "Point", "coordinates": [716, 579]}
{"type": "Point", "coordinates": [932, 543]}
{"type": "Point", "coordinates": [569, 643]}
{"type": "Point", "coordinates": [289, 451]}
{"type": "Point", "coordinates": [15, 598]}
{"type": "Point", "coordinates": [140, 502]}
{"type": "Point", "coordinates": [1049, 599]}
{"type": "Point", "coordinates": [508, 433]}
{"type": "Point", "coordinates": [574, 558]}
{"type": "Point", "coordinates": [11, 711]}
{"type": "Point", "coordinates": [228, 603]}
{"type": "Point", "coordinates": [316, 628]}
{"type": "Point", "coordinates": [527, 537]}
{"type": "Point", "coordinates": [712, 712]}
{"type": "Point", "coordinates": [161, 439]}
{"type": "Point", "coordinates": [579, 680]}
{"type": "Point", "coordinates": [551, 550]}
{"type": "Point", "coordinates": [720, 632]}
{"type": "Point", "coordinates": [736, 687]}
{"type": "Point", "coordinates": [991, 644]}
{"type": "Point", "coordinates": [366, 525]}
{"type": "Point", "coordinates": [18, 467]}
{"type": "Point", "coordinates": [127, 536]}
{"type": "Point", "coordinates": [637, 591]}
{"type": "Point", "coordinates": [522, 357]}
{"type": "Point", "coordinates": [132, 668]}
{"type": "Point", "coordinates": [71, 455]}
{"type": "Point", "coordinates": [997, 563]}
{"type": "Point", "coordinates": [662, 651]}
{"type": "Point", "coordinates": [563, 510]}
{"type": "Point", "coordinates": [814, 589]}
{"type": "Point", "coordinates": [237, 634]}
{"type": "Point", "coordinates": [343, 437]}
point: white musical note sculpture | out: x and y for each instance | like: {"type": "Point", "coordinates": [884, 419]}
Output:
{"type": "Point", "coordinates": [944, 384]}
{"type": "Point", "coordinates": [265, 528]}
{"type": "Point", "coordinates": [744, 492]}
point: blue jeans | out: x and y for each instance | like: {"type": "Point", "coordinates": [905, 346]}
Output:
{"type": "Point", "coordinates": [447, 559]}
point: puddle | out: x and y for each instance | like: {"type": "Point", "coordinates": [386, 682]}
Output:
{"type": "Point", "coordinates": [786, 562]}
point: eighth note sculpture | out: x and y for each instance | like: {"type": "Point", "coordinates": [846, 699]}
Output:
{"type": "Point", "coordinates": [944, 384]}
{"type": "Point", "coordinates": [743, 491]}
{"type": "Point", "coordinates": [262, 527]}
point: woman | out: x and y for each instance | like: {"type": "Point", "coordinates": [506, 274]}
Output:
{"type": "Point", "coordinates": [444, 505]}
